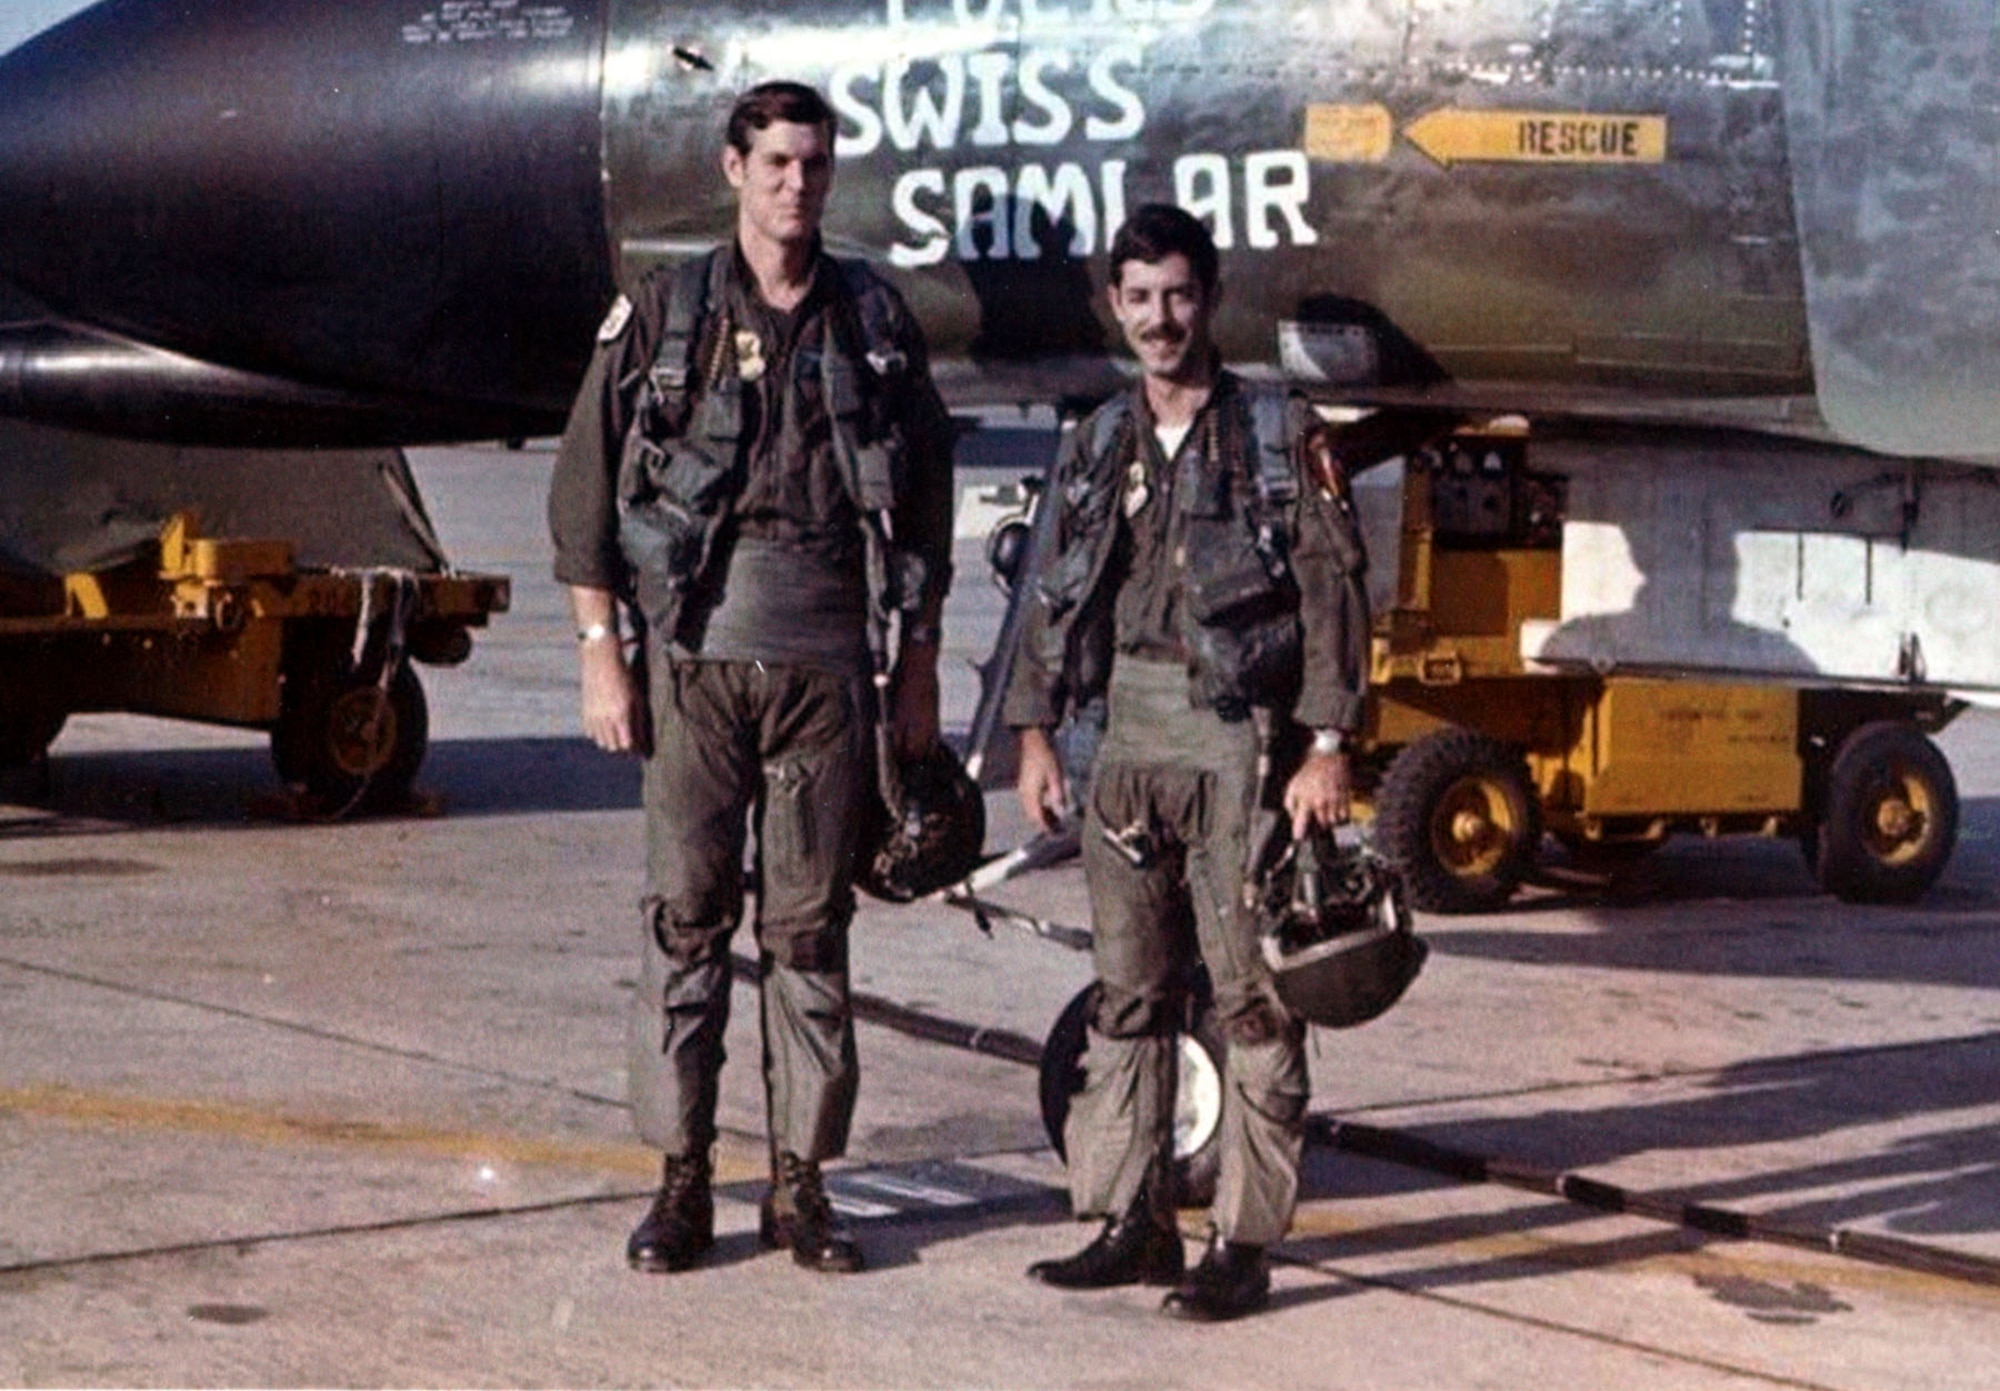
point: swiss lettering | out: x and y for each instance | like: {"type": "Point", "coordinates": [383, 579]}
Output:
{"type": "Point", "coordinates": [982, 119]}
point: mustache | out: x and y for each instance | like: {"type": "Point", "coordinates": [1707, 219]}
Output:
{"type": "Point", "coordinates": [1166, 333]}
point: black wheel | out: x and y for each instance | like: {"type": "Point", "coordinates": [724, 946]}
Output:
{"type": "Point", "coordinates": [1888, 816]}
{"type": "Point", "coordinates": [26, 733]}
{"type": "Point", "coordinates": [1458, 819]}
{"type": "Point", "coordinates": [1197, 1105]}
{"type": "Point", "coordinates": [350, 743]}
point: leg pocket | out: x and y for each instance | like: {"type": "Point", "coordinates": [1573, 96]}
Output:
{"type": "Point", "coordinates": [788, 813]}
{"type": "Point", "coordinates": [815, 769]}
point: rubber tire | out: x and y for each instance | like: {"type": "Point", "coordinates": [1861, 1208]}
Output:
{"type": "Point", "coordinates": [1196, 1169]}
{"type": "Point", "coordinates": [1427, 783]}
{"type": "Point", "coordinates": [318, 742]}
{"type": "Point", "coordinates": [1858, 861]}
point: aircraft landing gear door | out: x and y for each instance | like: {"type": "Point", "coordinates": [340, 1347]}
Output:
{"type": "Point", "coordinates": [1891, 129]}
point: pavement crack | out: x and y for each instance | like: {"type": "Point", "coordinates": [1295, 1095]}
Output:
{"type": "Point", "coordinates": [253, 1240]}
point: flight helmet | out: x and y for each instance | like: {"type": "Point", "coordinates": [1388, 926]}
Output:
{"type": "Point", "coordinates": [1336, 931]}
{"type": "Point", "coordinates": [935, 838]}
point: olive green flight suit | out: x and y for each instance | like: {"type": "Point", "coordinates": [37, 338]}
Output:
{"type": "Point", "coordinates": [1177, 785]}
{"type": "Point", "coordinates": [762, 716]}
{"type": "Point", "coordinates": [793, 746]}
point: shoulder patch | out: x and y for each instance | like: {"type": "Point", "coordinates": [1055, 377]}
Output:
{"type": "Point", "coordinates": [615, 322]}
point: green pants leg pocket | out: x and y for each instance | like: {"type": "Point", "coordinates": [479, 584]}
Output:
{"type": "Point", "coordinates": [788, 816]}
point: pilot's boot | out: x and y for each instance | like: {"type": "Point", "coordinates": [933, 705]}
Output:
{"type": "Point", "coordinates": [796, 1213]}
{"type": "Point", "coordinates": [1138, 1247]}
{"type": "Point", "coordinates": [679, 1228]}
{"type": "Point", "coordinates": [1233, 1279]}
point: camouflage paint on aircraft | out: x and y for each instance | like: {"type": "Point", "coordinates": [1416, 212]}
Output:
{"type": "Point", "coordinates": [399, 219]}
{"type": "Point", "coordinates": [1528, 190]}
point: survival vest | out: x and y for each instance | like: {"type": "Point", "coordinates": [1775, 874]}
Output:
{"type": "Point", "coordinates": [679, 470]}
{"type": "Point", "coordinates": [1240, 610]}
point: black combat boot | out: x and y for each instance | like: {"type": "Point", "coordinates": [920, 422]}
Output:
{"type": "Point", "coordinates": [796, 1213]}
{"type": "Point", "coordinates": [1140, 1247]}
{"type": "Point", "coordinates": [1232, 1280]}
{"type": "Point", "coordinates": [680, 1226]}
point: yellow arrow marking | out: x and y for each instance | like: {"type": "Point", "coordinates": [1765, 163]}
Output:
{"type": "Point", "coordinates": [1452, 135]}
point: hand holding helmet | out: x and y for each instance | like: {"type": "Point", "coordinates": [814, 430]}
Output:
{"type": "Point", "coordinates": [935, 838]}
{"type": "Point", "coordinates": [1336, 931]}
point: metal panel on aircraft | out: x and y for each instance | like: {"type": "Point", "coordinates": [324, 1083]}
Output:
{"type": "Point", "coordinates": [1690, 558]}
{"type": "Point", "coordinates": [1893, 125]}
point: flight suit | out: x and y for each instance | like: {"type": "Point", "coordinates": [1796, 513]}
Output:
{"type": "Point", "coordinates": [762, 713]}
{"type": "Point", "coordinates": [1170, 803]}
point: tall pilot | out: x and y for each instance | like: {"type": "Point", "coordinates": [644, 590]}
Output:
{"type": "Point", "coordinates": [1205, 577]}
{"type": "Point", "coordinates": [758, 468]}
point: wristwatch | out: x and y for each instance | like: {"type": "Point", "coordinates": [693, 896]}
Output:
{"type": "Point", "coordinates": [596, 632]}
{"type": "Point", "coordinates": [1329, 741]}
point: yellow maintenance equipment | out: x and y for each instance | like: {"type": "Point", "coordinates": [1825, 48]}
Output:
{"type": "Point", "coordinates": [233, 631]}
{"type": "Point", "coordinates": [1472, 755]}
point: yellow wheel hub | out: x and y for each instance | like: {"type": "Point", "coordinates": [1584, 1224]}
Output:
{"type": "Point", "coordinates": [1474, 826]}
{"type": "Point", "coordinates": [1900, 821]}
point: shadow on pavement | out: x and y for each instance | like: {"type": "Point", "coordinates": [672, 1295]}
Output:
{"type": "Point", "coordinates": [1930, 1178]}
{"type": "Point", "coordinates": [220, 787]}
{"type": "Point", "coordinates": [1699, 927]}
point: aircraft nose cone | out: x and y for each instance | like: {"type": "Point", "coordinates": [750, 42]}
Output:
{"type": "Point", "coordinates": [162, 164]}
{"type": "Point", "coordinates": [318, 190]}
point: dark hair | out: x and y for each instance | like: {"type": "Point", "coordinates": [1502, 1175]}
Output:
{"type": "Point", "coordinates": [1159, 230]}
{"type": "Point", "coordinates": [771, 102]}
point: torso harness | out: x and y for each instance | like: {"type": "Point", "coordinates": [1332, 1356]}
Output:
{"type": "Point", "coordinates": [680, 471]}
{"type": "Point", "coordinates": [1240, 599]}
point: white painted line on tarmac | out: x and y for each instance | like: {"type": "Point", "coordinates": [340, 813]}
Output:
{"type": "Point", "coordinates": [848, 1205]}
{"type": "Point", "coordinates": [899, 1187]}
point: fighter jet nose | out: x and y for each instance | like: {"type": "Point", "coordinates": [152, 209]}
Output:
{"type": "Point", "coordinates": [159, 161]}
{"type": "Point", "coordinates": [330, 192]}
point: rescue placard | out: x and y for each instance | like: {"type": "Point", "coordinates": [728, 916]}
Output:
{"type": "Point", "coordinates": [1453, 136]}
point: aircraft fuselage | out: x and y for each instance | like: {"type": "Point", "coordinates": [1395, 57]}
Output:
{"type": "Point", "coordinates": [400, 219]}
{"type": "Point", "coordinates": [1550, 196]}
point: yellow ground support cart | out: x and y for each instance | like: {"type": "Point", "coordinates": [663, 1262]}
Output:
{"type": "Point", "coordinates": [237, 629]}
{"type": "Point", "coordinates": [1471, 755]}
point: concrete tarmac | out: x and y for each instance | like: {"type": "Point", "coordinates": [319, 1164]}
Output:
{"type": "Point", "coordinates": [300, 1104]}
